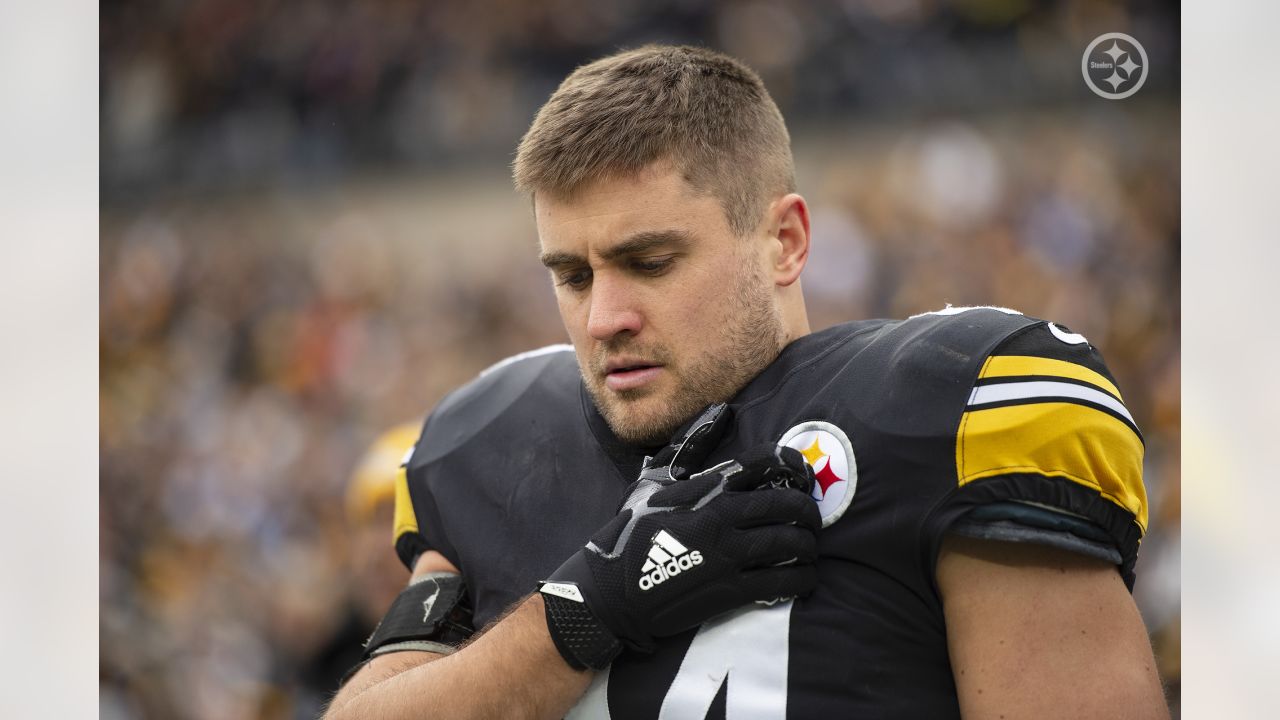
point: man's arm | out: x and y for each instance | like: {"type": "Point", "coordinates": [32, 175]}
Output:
{"type": "Point", "coordinates": [1043, 633]}
{"type": "Point", "coordinates": [491, 688]}
{"type": "Point", "coordinates": [384, 666]}
{"type": "Point", "coordinates": [513, 670]}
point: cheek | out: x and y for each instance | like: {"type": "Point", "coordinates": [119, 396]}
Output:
{"type": "Point", "coordinates": [700, 299]}
{"type": "Point", "coordinates": [573, 313]}
{"type": "Point", "coordinates": [574, 316]}
{"type": "Point", "coordinates": [709, 295]}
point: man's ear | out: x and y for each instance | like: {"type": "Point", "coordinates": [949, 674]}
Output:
{"type": "Point", "coordinates": [791, 235]}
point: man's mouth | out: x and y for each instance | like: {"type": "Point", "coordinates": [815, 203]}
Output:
{"type": "Point", "coordinates": [630, 374]}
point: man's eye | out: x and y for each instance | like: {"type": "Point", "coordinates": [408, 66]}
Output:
{"type": "Point", "coordinates": [652, 267]}
{"type": "Point", "coordinates": [577, 280]}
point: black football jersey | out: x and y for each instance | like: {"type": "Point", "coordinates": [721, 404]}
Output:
{"type": "Point", "coordinates": [973, 420]}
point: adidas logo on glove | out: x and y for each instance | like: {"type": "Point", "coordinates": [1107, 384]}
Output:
{"type": "Point", "coordinates": [667, 558]}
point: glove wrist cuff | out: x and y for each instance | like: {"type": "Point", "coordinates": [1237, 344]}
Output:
{"type": "Point", "coordinates": [583, 641]}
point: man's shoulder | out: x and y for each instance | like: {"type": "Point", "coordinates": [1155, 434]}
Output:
{"type": "Point", "coordinates": [915, 373]}
{"type": "Point", "coordinates": [947, 341]}
{"type": "Point", "coordinates": [525, 385]}
{"type": "Point", "coordinates": [941, 341]}
{"type": "Point", "coordinates": [925, 373]}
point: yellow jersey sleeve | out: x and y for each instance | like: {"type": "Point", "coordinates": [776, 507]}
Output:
{"type": "Point", "coordinates": [1044, 404]}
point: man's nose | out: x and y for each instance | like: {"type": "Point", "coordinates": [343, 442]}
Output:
{"type": "Point", "coordinates": [613, 310]}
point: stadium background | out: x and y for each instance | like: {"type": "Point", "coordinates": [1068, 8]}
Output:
{"type": "Point", "coordinates": [308, 235]}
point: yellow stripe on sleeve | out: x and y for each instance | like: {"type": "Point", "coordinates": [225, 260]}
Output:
{"type": "Point", "coordinates": [1016, 365]}
{"type": "Point", "coordinates": [1062, 439]}
{"type": "Point", "coordinates": [406, 520]}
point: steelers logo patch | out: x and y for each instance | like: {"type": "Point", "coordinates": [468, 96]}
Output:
{"type": "Point", "coordinates": [827, 450]}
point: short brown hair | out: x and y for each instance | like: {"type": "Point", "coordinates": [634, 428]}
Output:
{"type": "Point", "coordinates": [706, 112]}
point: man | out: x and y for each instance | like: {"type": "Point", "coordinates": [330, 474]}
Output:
{"type": "Point", "coordinates": [977, 477]}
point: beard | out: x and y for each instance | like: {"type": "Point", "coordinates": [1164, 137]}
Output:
{"type": "Point", "coordinates": [749, 337]}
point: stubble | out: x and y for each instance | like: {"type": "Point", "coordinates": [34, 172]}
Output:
{"type": "Point", "coordinates": [749, 337]}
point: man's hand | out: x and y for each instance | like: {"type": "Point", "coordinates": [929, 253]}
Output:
{"type": "Point", "coordinates": [687, 547]}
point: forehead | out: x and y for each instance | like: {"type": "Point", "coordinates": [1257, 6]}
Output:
{"type": "Point", "coordinates": [656, 199]}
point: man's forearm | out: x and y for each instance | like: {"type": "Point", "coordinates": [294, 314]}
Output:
{"type": "Point", "coordinates": [378, 669]}
{"type": "Point", "coordinates": [513, 670]}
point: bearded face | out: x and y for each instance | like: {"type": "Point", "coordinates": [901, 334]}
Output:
{"type": "Point", "coordinates": [668, 310]}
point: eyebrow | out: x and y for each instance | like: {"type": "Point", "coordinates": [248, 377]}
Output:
{"type": "Point", "coordinates": [633, 245]}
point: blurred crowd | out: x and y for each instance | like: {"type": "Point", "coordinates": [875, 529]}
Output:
{"type": "Point", "coordinates": [273, 298]}
{"type": "Point", "coordinates": [198, 94]}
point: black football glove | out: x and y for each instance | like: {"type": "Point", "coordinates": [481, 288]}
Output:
{"type": "Point", "coordinates": [687, 547]}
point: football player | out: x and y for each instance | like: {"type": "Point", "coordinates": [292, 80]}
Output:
{"type": "Point", "coordinates": [620, 514]}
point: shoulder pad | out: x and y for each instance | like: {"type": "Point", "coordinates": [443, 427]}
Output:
{"type": "Point", "coordinates": [470, 409]}
{"type": "Point", "coordinates": [913, 377]}
{"type": "Point", "coordinates": [496, 393]}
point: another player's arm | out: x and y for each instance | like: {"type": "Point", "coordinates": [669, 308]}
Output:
{"type": "Point", "coordinates": [1038, 632]}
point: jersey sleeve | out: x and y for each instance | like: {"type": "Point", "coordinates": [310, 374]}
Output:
{"type": "Point", "coordinates": [1046, 452]}
{"type": "Point", "coordinates": [406, 536]}
{"type": "Point", "coordinates": [418, 526]}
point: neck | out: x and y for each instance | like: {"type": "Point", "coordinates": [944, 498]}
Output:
{"type": "Point", "coordinates": [795, 318]}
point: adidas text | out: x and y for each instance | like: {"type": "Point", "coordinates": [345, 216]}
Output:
{"type": "Point", "coordinates": [667, 558]}
{"type": "Point", "coordinates": [662, 573]}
